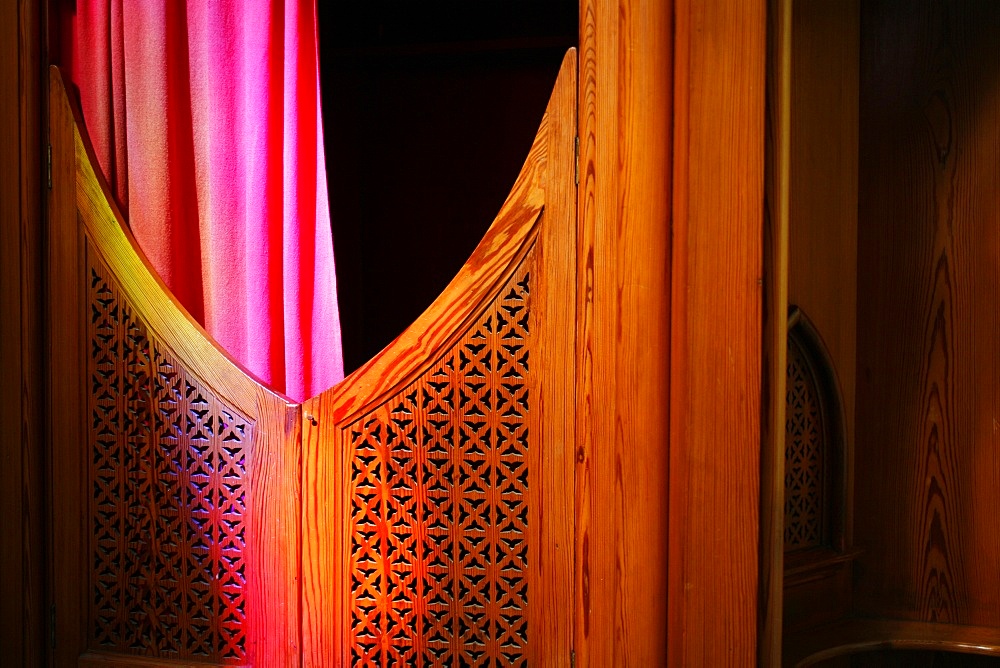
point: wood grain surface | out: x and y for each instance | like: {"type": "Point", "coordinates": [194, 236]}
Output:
{"type": "Point", "coordinates": [67, 459]}
{"type": "Point", "coordinates": [21, 440]}
{"type": "Point", "coordinates": [822, 271]}
{"type": "Point", "coordinates": [533, 234]}
{"type": "Point", "coordinates": [854, 636]}
{"type": "Point", "coordinates": [928, 474]}
{"type": "Point", "coordinates": [813, 155]}
{"type": "Point", "coordinates": [269, 561]}
{"type": "Point", "coordinates": [715, 367]}
{"type": "Point", "coordinates": [623, 355]}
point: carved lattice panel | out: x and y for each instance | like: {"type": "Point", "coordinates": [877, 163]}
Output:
{"type": "Point", "coordinates": [169, 497]}
{"type": "Point", "coordinates": [805, 437]}
{"type": "Point", "coordinates": [439, 505]}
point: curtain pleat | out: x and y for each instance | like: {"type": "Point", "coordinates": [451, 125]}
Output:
{"type": "Point", "coordinates": [205, 117]}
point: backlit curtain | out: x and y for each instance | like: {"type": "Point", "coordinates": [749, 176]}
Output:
{"type": "Point", "coordinates": [205, 118]}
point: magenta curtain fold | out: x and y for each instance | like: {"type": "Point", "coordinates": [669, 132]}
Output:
{"type": "Point", "coordinates": [205, 117]}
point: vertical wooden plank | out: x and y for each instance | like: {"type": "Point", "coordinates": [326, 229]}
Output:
{"type": "Point", "coordinates": [552, 388]}
{"type": "Point", "coordinates": [171, 466]}
{"type": "Point", "coordinates": [32, 337]}
{"type": "Point", "coordinates": [11, 455]}
{"type": "Point", "coordinates": [325, 479]}
{"type": "Point", "coordinates": [67, 574]}
{"type": "Point", "coordinates": [775, 334]}
{"type": "Point", "coordinates": [715, 375]}
{"type": "Point", "coordinates": [623, 332]}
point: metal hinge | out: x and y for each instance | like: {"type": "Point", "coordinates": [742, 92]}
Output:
{"type": "Point", "coordinates": [48, 164]}
{"type": "Point", "coordinates": [576, 164]}
{"type": "Point", "coordinates": [572, 659]}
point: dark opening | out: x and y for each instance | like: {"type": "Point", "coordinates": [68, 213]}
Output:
{"type": "Point", "coordinates": [429, 112]}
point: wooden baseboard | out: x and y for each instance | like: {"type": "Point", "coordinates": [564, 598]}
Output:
{"type": "Point", "coordinates": [853, 636]}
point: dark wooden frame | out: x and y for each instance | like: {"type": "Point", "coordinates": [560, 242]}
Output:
{"type": "Point", "coordinates": [22, 351]}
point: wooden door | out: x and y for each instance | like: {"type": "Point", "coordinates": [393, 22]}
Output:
{"type": "Point", "coordinates": [438, 478]}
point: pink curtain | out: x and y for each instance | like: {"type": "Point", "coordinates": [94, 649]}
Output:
{"type": "Point", "coordinates": [205, 118]}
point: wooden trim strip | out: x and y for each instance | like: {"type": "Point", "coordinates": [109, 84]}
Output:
{"type": "Point", "coordinates": [775, 349]}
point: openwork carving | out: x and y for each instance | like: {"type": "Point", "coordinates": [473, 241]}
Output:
{"type": "Point", "coordinates": [439, 505]}
{"type": "Point", "coordinates": [805, 438]}
{"type": "Point", "coordinates": [167, 472]}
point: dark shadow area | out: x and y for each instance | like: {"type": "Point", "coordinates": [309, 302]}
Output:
{"type": "Point", "coordinates": [429, 111]}
{"type": "Point", "coordinates": [912, 659]}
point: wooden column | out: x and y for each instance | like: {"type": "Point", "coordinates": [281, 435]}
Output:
{"type": "Point", "coordinates": [715, 347]}
{"type": "Point", "coordinates": [774, 356]}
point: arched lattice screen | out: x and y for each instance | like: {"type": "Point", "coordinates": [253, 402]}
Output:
{"type": "Point", "coordinates": [813, 443]}
{"type": "Point", "coordinates": [805, 451]}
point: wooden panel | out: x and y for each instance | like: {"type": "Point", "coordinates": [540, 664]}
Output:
{"type": "Point", "coordinates": [11, 455]}
{"type": "Point", "coordinates": [928, 478]}
{"type": "Point", "coordinates": [819, 594]}
{"type": "Point", "coordinates": [21, 455]}
{"type": "Point", "coordinates": [824, 183]}
{"type": "Point", "coordinates": [715, 374]}
{"type": "Point", "coordinates": [918, 659]}
{"type": "Point", "coordinates": [67, 576]}
{"type": "Point", "coordinates": [622, 332]}
{"type": "Point", "coordinates": [437, 479]}
{"type": "Point", "coordinates": [807, 442]}
{"type": "Point", "coordinates": [175, 474]}
{"type": "Point", "coordinates": [32, 333]}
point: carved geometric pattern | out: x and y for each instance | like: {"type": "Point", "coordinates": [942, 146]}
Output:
{"type": "Point", "coordinates": [805, 445]}
{"type": "Point", "coordinates": [439, 505]}
{"type": "Point", "coordinates": [168, 473]}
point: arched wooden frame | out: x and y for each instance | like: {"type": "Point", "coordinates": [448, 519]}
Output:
{"type": "Point", "coordinates": [808, 355]}
{"type": "Point", "coordinates": [433, 498]}
{"type": "Point", "coordinates": [818, 558]}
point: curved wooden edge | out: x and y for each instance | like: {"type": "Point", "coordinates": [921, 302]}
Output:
{"type": "Point", "coordinates": [84, 220]}
{"type": "Point", "coordinates": [867, 635]}
{"type": "Point", "coordinates": [506, 242]}
{"type": "Point", "coordinates": [118, 247]}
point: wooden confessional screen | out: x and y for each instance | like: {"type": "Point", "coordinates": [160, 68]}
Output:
{"type": "Point", "coordinates": [438, 480]}
{"type": "Point", "coordinates": [419, 513]}
{"type": "Point", "coordinates": [175, 475]}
